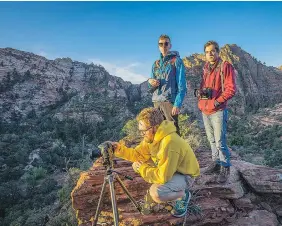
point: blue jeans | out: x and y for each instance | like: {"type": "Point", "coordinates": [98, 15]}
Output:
{"type": "Point", "coordinates": [216, 128]}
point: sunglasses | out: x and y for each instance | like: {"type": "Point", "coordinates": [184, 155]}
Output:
{"type": "Point", "coordinates": [163, 44]}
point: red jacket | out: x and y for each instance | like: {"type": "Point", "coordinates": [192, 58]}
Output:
{"type": "Point", "coordinates": [212, 79]}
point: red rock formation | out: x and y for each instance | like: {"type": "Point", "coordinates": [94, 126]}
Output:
{"type": "Point", "coordinates": [212, 204]}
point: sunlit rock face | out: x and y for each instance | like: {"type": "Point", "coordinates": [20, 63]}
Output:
{"type": "Point", "coordinates": [249, 190]}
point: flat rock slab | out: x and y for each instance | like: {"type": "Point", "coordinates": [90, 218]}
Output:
{"type": "Point", "coordinates": [257, 218]}
{"type": "Point", "coordinates": [261, 178]}
{"type": "Point", "coordinates": [232, 189]}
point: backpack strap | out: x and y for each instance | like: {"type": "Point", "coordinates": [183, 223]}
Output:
{"type": "Point", "coordinates": [157, 63]}
{"type": "Point", "coordinates": [222, 75]}
{"type": "Point", "coordinates": [172, 62]}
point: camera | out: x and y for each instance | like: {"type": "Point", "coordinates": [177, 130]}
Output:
{"type": "Point", "coordinates": [106, 151]}
{"type": "Point", "coordinates": [204, 93]}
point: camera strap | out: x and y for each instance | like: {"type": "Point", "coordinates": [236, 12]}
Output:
{"type": "Point", "coordinates": [221, 65]}
{"type": "Point", "coordinates": [222, 75]}
{"type": "Point", "coordinates": [213, 69]}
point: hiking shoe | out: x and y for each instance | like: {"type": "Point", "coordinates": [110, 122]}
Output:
{"type": "Point", "coordinates": [180, 207]}
{"type": "Point", "coordinates": [147, 206]}
{"type": "Point", "coordinates": [214, 167]}
{"type": "Point", "coordinates": [224, 174]}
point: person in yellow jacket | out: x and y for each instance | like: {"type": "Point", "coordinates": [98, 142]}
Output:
{"type": "Point", "coordinates": [163, 159]}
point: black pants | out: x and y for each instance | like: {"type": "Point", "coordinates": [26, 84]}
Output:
{"type": "Point", "coordinates": [166, 109]}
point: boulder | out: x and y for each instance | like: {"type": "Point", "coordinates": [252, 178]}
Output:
{"type": "Point", "coordinates": [261, 178]}
{"type": "Point", "coordinates": [257, 218]}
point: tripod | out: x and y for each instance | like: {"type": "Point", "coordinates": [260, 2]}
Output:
{"type": "Point", "coordinates": [109, 177]}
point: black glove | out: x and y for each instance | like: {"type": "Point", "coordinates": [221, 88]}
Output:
{"type": "Point", "coordinates": [217, 104]}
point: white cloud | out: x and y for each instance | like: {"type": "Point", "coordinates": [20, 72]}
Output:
{"type": "Point", "coordinates": [42, 53]}
{"type": "Point", "coordinates": [127, 72]}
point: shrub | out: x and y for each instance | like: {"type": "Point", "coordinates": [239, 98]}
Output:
{"type": "Point", "coordinates": [190, 131]}
{"type": "Point", "coordinates": [273, 158]}
{"type": "Point", "coordinates": [10, 194]}
{"type": "Point", "coordinates": [35, 174]}
{"type": "Point", "coordinates": [64, 193]}
{"type": "Point", "coordinates": [66, 217]}
{"type": "Point", "coordinates": [130, 128]}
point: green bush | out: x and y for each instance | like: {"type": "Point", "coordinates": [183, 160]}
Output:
{"type": "Point", "coordinates": [65, 191]}
{"type": "Point", "coordinates": [273, 158]}
{"type": "Point", "coordinates": [251, 139]}
{"type": "Point", "coordinates": [14, 218]}
{"type": "Point", "coordinates": [65, 217]}
{"type": "Point", "coordinates": [10, 194]}
{"type": "Point", "coordinates": [47, 186]}
{"type": "Point", "coordinates": [190, 131]}
{"type": "Point", "coordinates": [130, 128]}
{"type": "Point", "coordinates": [35, 174]}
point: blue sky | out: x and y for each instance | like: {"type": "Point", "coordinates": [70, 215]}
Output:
{"type": "Point", "coordinates": [122, 36]}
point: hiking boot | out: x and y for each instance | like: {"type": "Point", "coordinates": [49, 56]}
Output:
{"type": "Point", "coordinates": [224, 174]}
{"type": "Point", "coordinates": [147, 206]}
{"type": "Point", "coordinates": [180, 207]}
{"type": "Point", "coordinates": [212, 168]}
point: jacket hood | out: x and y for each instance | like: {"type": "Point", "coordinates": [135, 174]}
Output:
{"type": "Point", "coordinates": [173, 53]}
{"type": "Point", "coordinates": [164, 129]}
{"type": "Point", "coordinates": [170, 54]}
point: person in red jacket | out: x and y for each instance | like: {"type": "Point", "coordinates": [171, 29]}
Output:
{"type": "Point", "coordinates": [217, 87]}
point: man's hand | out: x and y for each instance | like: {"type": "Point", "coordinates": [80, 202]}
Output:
{"type": "Point", "coordinates": [175, 111]}
{"type": "Point", "coordinates": [154, 82]}
{"type": "Point", "coordinates": [197, 93]}
{"type": "Point", "coordinates": [136, 166]}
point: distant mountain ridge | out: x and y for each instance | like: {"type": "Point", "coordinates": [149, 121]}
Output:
{"type": "Point", "coordinates": [33, 83]}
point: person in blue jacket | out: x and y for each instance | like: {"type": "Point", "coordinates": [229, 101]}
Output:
{"type": "Point", "coordinates": [168, 81]}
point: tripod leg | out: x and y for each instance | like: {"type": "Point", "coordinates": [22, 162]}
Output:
{"type": "Point", "coordinates": [128, 194]}
{"type": "Point", "coordinates": [99, 203]}
{"type": "Point", "coordinates": [113, 197]}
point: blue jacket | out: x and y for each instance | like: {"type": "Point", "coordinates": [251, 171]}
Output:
{"type": "Point", "coordinates": [170, 71]}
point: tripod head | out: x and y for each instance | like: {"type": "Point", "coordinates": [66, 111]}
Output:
{"type": "Point", "coordinates": [106, 151]}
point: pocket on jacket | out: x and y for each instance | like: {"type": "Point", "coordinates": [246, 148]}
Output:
{"type": "Point", "coordinates": [210, 105]}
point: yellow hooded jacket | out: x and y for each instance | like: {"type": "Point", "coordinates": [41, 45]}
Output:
{"type": "Point", "coordinates": [169, 152]}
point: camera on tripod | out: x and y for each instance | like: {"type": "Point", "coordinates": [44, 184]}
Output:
{"type": "Point", "coordinates": [106, 151]}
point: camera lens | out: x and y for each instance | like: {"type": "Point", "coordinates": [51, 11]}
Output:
{"type": "Point", "coordinates": [96, 153]}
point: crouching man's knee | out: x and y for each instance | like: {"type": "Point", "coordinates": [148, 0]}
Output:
{"type": "Point", "coordinates": [155, 193]}
{"type": "Point", "coordinates": [161, 193]}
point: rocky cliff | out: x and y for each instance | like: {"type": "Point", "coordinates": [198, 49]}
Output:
{"type": "Point", "coordinates": [252, 196]}
{"type": "Point", "coordinates": [32, 83]}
